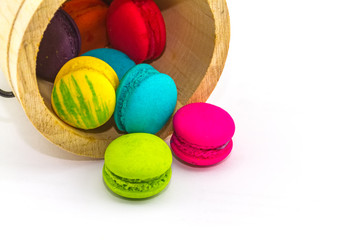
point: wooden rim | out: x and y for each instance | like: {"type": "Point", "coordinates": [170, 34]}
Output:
{"type": "Point", "coordinates": [222, 41]}
{"type": "Point", "coordinates": [22, 68]}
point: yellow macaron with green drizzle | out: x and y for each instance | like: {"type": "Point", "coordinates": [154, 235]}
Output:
{"type": "Point", "coordinates": [84, 92]}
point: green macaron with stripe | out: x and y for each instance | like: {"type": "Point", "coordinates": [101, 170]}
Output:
{"type": "Point", "coordinates": [137, 165]}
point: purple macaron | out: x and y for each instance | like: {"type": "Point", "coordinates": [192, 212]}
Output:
{"type": "Point", "coordinates": [61, 42]}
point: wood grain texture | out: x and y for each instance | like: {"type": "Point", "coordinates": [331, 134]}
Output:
{"type": "Point", "coordinates": [9, 11]}
{"type": "Point", "coordinates": [222, 41]}
{"type": "Point", "coordinates": [198, 40]}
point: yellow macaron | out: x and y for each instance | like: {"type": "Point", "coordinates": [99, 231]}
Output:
{"type": "Point", "coordinates": [84, 92]}
{"type": "Point", "coordinates": [85, 63]}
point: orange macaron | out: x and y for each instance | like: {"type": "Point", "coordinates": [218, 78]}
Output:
{"type": "Point", "coordinates": [90, 17]}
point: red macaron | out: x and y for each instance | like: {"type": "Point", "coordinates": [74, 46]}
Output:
{"type": "Point", "coordinates": [137, 28]}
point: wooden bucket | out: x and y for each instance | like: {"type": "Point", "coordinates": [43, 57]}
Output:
{"type": "Point", "coordinates": [197, 46]}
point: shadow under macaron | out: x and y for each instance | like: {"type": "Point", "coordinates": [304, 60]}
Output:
{"type": "Point", "coordinates": [188, 166]}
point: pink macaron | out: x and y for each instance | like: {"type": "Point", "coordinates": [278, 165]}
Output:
{"type": "Point", "coordinates": [202, 134]}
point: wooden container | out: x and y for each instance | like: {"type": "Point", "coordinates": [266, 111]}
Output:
{"type": "Point", "coordinates": [198, 40]}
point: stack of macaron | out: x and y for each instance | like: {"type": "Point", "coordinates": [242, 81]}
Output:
{"type": "Point", "coordinates": [91, 82]}
{"type": "Point", "coordinates": [202, 134]}
{"type": "Point", "coordinates": [95, 53]}
{"type": "Point", "coordinates": [90, 89]}
{"type": "Point", "coordinates": [134, 27]}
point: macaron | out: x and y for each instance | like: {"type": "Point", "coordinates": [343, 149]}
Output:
{"type": "Point", "coordinates": [90, 17]}
{"type": "Point", "coordinates": [145, 100]}
{"type": "Point", "coordinates": [84, 92]}
{"type": "Point", "coordinates": [119, 61]}
{"type": "Point", "coordinates": [202, 134]}
{"type": "Point", "coordinates": [137, 165]}
{"type": "Point", "coordinates": [60, 43]}
{"type": "Point", "coordinates": [137, 28]}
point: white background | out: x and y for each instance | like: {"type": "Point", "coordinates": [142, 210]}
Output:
{"type": "Point", "coordinates": [291, 83]}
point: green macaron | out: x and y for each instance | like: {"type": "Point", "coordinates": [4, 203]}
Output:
{"type": "Point", "coordinates": [137, 165]}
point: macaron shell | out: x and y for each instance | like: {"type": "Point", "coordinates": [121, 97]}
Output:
{"type": "Point", "coordinates": [61, 42]}
{"type": "Point", "coordinates": [127, 30]}
{"type": "Point", "coordinates": [156, 27]}
{"type": "Point", "coordinates": [119, 61]}
{"type": "Point", "coordinates": [137, 28]}
{"type": "Point", "coordinates": [129, 82]}
{"type": "Point", "coordinates": [151, 105]}
{"type": "Point", "coordinates": [92, 64]}
{"type": "Point", "coordinates": [204, 124]}
{"type": "Point", "coordinates": [90, 17]}
{"type": "Point", "coordinates": [202, 161]}
{"type": "Point", "coordinates": [138, 156]}
{"type": "Point", "coordinates": [84, 99]}
{"type": "Point", "coordinates": [146, 100]}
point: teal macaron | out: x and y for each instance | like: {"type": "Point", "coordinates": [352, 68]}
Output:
{"type": "Point", "coordinates": [119, 61]}
{"type": "Point", "coordinates": [137, 165]}
{"type": "Point", "coordinates": [145, 100]}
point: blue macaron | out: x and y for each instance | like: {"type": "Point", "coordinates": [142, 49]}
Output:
{"type": "Point", "coordinates": [146, 99]}
{"type": "Point", "coordinates": [119, 61]}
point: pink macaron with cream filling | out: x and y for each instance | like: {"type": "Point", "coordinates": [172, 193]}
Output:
{"type": "Point", "coordinates": [202, 134]}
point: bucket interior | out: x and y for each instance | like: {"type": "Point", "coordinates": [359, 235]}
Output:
{"type": "Point", "coordinates": [189, 50]}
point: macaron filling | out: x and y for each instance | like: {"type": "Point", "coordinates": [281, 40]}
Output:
{"type": "Point", "coordinates": [126, 91]}
{"type": "Point", "coordinates": [71, 30]}
{"type": "Point", "coordinates": [136, 185]}
{"type": "Point", "coordinates": [193, 150]}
